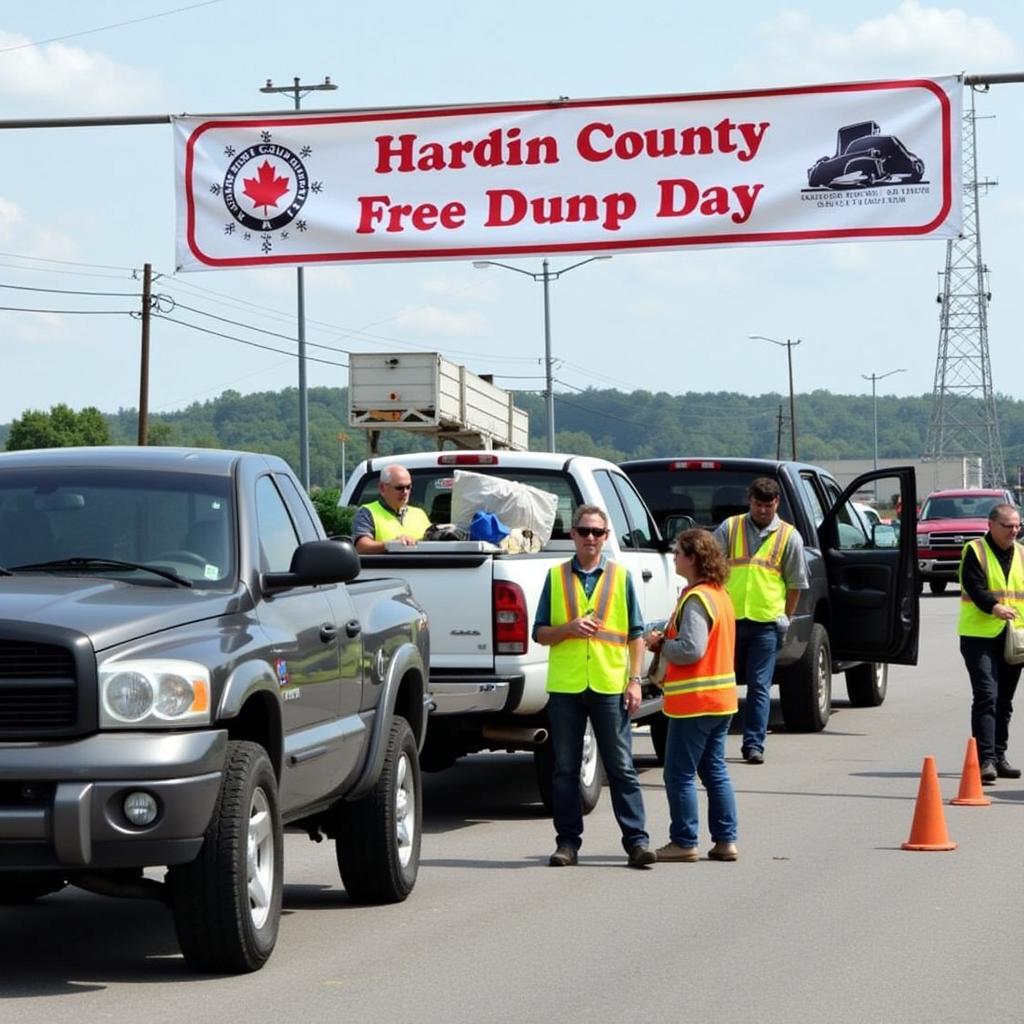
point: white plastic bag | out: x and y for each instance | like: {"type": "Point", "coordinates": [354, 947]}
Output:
{"type": "Point", "coordinates": [518, 506]}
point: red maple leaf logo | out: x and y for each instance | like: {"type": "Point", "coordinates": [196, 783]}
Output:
{"type": "Point", "coordinates": [266, 188]}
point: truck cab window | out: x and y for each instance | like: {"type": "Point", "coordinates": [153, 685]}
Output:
{"type": "Point", "coordinates": [616, 513]}
{"type": "Point", "coordinates": [278, 539]}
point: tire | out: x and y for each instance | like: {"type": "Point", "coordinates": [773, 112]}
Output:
{"type": "Point", "coordinates": [227, 902]}
{"type": "Point", "coordinates": [659, 735]}
{"type": "Point", "coordinates": [806, 689]}
{"type": "Point", "coordinates": [378, 842]}
{"type": "Point", "coordinates": [866, 684]}
{"type": "Point", "coordinates": [937, 586]}
{"type": "Point", "coordinates": [916, 171]}
{"type": "Point", "coordinates": [591, 774]}
{"type": "Point", "coordinates": [18, 887]}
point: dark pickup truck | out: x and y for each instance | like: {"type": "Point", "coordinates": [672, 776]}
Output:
{"type": "Point", "coordinates": [861, 610]}
{"type": "Point", "coordinates": [187, 666]}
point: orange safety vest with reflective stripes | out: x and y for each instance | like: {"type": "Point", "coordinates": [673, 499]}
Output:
{"type": "Point", "coordinates": [599, 662]}
{"type": "Point", "coordinates": [1008, 590]}
{"type": "Point", "coordinates": [755, 583]}
{"type": "Point", "coordinates": [708, 685]}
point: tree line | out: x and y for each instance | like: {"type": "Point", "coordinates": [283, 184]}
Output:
{"type": "Point", "coordinates": [612, 424]}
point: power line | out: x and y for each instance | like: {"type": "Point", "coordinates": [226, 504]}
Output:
{"type": "Point", "coordinates": [105, 28]}
{"type": "Point", "coordinates": [64, 263]}
{"type": "Point", "coordinates": [242, 341]}
{"type": "Point", "coordinates": [66, 291]}
{"type": "Point", "coordinates": [71, 312]}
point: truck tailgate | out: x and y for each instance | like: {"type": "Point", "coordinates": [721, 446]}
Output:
{"type": "Point", "coordinates": [459, 582]}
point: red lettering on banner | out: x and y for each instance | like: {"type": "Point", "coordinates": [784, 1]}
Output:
{"type": "Point", "coordinates": [379, 211]}
{"type": "Point", "coordinates": [600, 141]}
{"type": "Point", "coordinates": [499, 147]}
{"type": "Point", "coordinates": [681, 196]}
{"type": "Point", "coordinates": [507, 207]}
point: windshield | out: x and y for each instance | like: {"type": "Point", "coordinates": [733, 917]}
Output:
{"type": "Point", "coordinates": [962, 507]}
{"type": "Point", "coordinates": [709, 496]}
{"type": "Point", "coordinates": [176, 521]}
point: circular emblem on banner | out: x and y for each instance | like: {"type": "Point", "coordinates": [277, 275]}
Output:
{"type": "Point", "coordinates": [265, 187]}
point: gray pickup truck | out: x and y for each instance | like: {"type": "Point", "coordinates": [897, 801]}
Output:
{"type": "Point", "coordinates": [860, 613]}
{"type": "Point", "coordinates": [188, 666]}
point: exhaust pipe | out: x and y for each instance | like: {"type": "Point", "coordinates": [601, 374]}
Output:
{"type": "Point", "coordinates": [515, 737]}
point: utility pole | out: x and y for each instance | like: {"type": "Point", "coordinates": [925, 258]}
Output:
{"type": "Point", "coordinates": [778, 437]}
{"type": "Point", "coordinates": [298, 90]}
{"type": "Point", "coordinates": [147, 283]}
{"type": "Point", "coordinates": [874, 378]}
{"type": "Point", "coordinates": [788, 346]}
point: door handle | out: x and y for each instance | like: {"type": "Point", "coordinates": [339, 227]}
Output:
{"type": "Point", "coordinates": [328, 633]}
{"type": "Point", "coordinates": [647, 575]}
{"type": "Point", "coordinates": [353, 628]}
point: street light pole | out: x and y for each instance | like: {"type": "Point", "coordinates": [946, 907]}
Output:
{"type": "Point", "coordinates": [788, 346]}
{"type": "Point", "coordinates": [546, 276]}
{"type": "Point", "coordinates": [874, 378]}
{"type": "Point", "coordinates": [298, 91]}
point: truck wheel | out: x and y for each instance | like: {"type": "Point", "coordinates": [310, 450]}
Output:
{"type": "Point", "coordinates": [591, 775]}
{"type": "Point", "coordinates": [378, 842]}
{"type": "Point", "coordinates": [806, 688]}
{"type": "Point", "coordinates": [866, 684]}
{"type": "Point", "coordinates": [659, 735]}
{"type": "Point", "coordinates": [937, 586]}
{"type": "Point", "coordinates": [26, 886]}
{"type": "Point", "coordinates": [227, 902]}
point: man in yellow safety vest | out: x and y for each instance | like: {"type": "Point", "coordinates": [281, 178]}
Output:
{"type": "Point", "coordinates": [390, 517]}
{"type": "Point", "coordinates": [767, 571]}
{"type": "Point", "coordinates": [589, 615]}
{"type": "Point", "coordinates": [992, 595]}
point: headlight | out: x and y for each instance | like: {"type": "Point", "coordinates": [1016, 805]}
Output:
{"type": "Point", "coordinates": [922, 539]}
{"type": "Point", "coordinates": [154, 694]}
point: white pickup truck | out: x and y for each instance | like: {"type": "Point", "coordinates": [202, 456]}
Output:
{"type": "Point", "coordinates": [487, 676]}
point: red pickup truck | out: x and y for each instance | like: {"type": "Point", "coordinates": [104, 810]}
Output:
{"type": "Point", "coordinates": [948, 520]}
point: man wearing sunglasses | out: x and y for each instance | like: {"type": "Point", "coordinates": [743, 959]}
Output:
{"type": "Point", "coordinates": [992, 595]}
{"type": "Point", "coordinates": [589, 615]}
{"type": "Point", "coordinates": [390, 517]}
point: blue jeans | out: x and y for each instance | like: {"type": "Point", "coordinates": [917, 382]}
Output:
{"type": "Point", "coordinates": [993, 684]}
{"type": "Point", "coordinates": [568, 714]}
{"type": "Point", "coordinates": [696, 746]}
{"type": "Point", "coordinates": [757, 644]}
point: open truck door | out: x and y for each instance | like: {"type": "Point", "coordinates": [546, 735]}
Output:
{"type": "Point", "coordinates": [872, 574]}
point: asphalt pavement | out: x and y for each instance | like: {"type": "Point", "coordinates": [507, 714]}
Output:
{"type": "Point", "coordinates": [823, 919]}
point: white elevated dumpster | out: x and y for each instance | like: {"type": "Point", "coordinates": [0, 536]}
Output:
{"type": "Point", "coordinates": [426, 392]}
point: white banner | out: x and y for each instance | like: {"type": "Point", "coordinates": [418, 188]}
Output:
{"type": "Point", "coordinates": [864, 160]}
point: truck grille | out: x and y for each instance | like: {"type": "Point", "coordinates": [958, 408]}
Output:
{"type": "Point", "coordinates": [953, 540]}
{"type": "Point", "coordinates": [38, 686]}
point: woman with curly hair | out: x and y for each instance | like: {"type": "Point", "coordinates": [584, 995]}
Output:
{"type": "Point", "coordinates": [698, 646]}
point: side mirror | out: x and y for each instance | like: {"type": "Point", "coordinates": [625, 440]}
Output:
{"type": "Point", "coordinates": [674, 525]}
{"type": "Point", "coordinates": [884, 535]}
{"type": "Point", "coordinates": [316, 562]}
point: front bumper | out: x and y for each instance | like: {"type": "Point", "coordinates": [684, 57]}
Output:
{"type": "Point", "coordinates": [61, 802]}
{"type": "Point", "coordinates": [939, 568]}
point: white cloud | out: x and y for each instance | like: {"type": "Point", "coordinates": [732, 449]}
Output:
{"type": "Point", "coordinates": [913, 39]}
{"type": "Point", "coordinates": [72, 79]}
{"type": "Point", "coordinates": [10, 217]}
{"type": "Point", "coordinates": [432, 320]}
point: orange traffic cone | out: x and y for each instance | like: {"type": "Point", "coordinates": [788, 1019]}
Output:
{"type": "Point", "coordinates": [928, 830]}
{"type": "Point", "coordinates": [971, 793]}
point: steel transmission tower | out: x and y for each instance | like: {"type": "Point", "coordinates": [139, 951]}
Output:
{"type": "Point", "coordinates": [963, 420]}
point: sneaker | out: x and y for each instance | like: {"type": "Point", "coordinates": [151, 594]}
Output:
{"type": "Point", "coordinates": [1005, 770]}
{"type": "Point", "coordinates": [679, 854]}
{"type": "Point", "coordinates": [641, 856]}
{"type": "Point", "coordinates": [753, 756]}
{"type": "Point", "coordinates": [989, 772]}
{"type": "Point", "coordinates": [563, 857]}
{"type": "Point", "coordinates": [723, 851]}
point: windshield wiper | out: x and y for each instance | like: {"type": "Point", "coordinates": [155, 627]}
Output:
{"type": "Point", "coordinates": [80, 563]}
{"type": "Point", "coordinates": [5, 571]}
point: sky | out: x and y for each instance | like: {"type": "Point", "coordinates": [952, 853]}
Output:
{"type": "Point", "coordinates": [83, 208]}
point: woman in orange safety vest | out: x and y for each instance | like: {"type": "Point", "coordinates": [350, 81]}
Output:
{"type": "Point", "coordinates": [698, 647]}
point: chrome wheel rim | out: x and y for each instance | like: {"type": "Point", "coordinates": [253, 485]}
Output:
{"type": "Point", "coordinates": [588, 767]}
{"type": "Point", "coordinates": [259, 859]}
{"type": "Point", "coordinates": [405, 811]}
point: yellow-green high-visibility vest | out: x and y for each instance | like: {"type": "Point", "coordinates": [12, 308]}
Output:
{"type": "Point", "coordinates": [601, 662]}
{"type": "Point", "coordinates": [1008, 591]}
{"type": "Point", "coordinates": [387, 526]}
{"type": "Point", "coordinates": [755, 583]}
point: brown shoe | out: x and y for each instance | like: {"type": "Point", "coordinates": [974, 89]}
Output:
{"type": "Point", "coordinates": [641, 856]}
{"type": "Point", "coordinates": [563, 857]}
{"type": "Point", "coordinates": [673, 852]}
{"type": "Point", "coordinates": [723, 851]}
